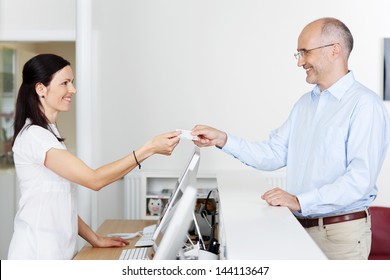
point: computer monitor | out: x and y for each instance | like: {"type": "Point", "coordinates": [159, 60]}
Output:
{"type": "Point", "coordinates": [171, 241]}
{"type": "Point", "coordinates": [188, 177]}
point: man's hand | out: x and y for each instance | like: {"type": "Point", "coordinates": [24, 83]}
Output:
{"type": "Point", "coordinates": [279, 197]}
{"type": "Point", "coordinates": [208, 136]}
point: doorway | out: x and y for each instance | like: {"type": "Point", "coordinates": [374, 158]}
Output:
{"type": "Point", "coordinates": [13, 56]}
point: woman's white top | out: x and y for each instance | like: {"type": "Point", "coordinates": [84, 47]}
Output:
{"type": "Point", "coordinates": [45, 225]}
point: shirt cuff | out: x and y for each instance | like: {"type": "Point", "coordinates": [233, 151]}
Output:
{"type": "Point", "coordinates": [230, 145]}
{"type": "Point", "coordinates": [305, 199]}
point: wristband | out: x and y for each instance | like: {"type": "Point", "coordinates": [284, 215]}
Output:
{"type": "Point", "coordinates": [136, 160]}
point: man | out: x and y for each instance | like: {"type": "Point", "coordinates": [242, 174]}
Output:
{"type": "Point", "coordinates": [333, 144]}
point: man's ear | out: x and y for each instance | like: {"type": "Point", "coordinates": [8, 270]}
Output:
{"type": "Point", "coordinates": [336, 50]}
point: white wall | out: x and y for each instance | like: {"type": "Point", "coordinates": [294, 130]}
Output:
{"type": "Point", "coordinates": [172, 64]}
{"type": "Point", "coordinates": [163, 65]}
{"type": "Point", "coordinates": [8, 206]}
{"type": "Point", "coordinates": [52, 20]}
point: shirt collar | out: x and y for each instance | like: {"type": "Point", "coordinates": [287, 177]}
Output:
{"type": "Point", "coordinates": [338, 88]}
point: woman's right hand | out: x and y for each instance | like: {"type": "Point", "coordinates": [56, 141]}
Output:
{"type": "Point", "coordinates": [164, 144]}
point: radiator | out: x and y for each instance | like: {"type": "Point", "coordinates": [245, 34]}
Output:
{"type": "Point", "coordinates": [132, 196]}
{"type": "Point", "coordinates": [276, 178]}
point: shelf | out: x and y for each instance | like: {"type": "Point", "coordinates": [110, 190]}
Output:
{"type": "Point", "coordinates": [145, 190]}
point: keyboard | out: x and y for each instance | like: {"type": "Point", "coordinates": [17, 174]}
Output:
{"type": "Point", "coordinates": [135, 254]}
{"type": "Point", "coordinates": [146, 239]}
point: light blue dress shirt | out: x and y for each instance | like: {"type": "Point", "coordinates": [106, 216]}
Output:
{"type": "Point", "coordinates": [333, 144]}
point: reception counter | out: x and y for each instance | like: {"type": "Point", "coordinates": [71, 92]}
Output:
{"type": "Point", "coordinates": [248, 229]}
{"type": "Point", "coordinates": [251, 229]}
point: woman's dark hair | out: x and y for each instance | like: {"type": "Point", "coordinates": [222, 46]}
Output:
{"type": "Point", "coordinates": [39, 69]}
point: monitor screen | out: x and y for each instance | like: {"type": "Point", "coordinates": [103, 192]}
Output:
{"type": "Point", "coordinates": [171, 241]}
{"type": "Point", "coordinates": [188, 177]}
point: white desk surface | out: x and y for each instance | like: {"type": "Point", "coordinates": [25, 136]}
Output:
{"type": "Point", "coordinates": [255, 230]}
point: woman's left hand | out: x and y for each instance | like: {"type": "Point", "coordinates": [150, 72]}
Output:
{"type": "Point", "coordinates": [110, 242]}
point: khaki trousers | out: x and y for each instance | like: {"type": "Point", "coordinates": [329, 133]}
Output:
{"type": "Point", "coordinates": [344, 241]}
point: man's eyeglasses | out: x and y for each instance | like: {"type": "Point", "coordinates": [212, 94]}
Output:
{"type": "Point", "coordinates": [303, 52]}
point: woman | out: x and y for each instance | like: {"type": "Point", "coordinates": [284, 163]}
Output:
{"type": "Point", "coordinates": [47, 223]}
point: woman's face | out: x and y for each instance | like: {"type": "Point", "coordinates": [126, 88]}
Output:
{"type": "Point", "coordinates": [57, 96]}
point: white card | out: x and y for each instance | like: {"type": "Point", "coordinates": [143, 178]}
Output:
{"type": "Point", "coordinates": [186, 134]}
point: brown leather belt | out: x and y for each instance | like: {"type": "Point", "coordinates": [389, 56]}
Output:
{"type": "Point", "coordinates": [307, 223]}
